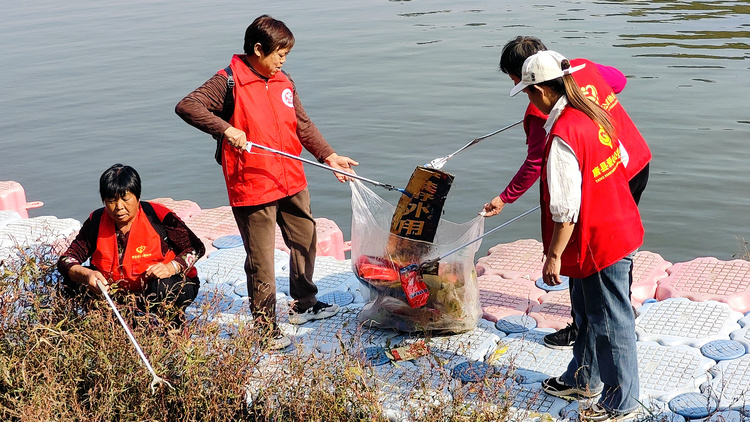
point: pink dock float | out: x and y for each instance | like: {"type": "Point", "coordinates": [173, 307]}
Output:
{"type": "Point", "coordinates": [553, 310]}
{"type": "Point", "coordinates": [184, 209]}
{"type": "Point", "coordinates": [213, 223]}
{"type": "Point", "coordinates": [330, 239]}
{"type": "Point", "coordinates": [705, 279]}
{"type": "Point", "coordinates": [13, 198]}
{"type": "Point", "coordinates": [648, 269]}
{"type": "Point", "coordinates": [501, 297]}
{"type": "Point", "coordinates": [523, 258]}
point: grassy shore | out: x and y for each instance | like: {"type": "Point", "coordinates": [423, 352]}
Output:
{"type": "Point", "coordinates": [70, 360]}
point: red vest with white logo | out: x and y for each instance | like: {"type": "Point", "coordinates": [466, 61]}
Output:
{"type": "Point", "coordinates": [264, 110]}
{"type": "Point", "coordinates": [595, 87]}
{"type": "Point", "coordinates": [144, 248]}
{"type": "Point", "coordinates": [609, 225]}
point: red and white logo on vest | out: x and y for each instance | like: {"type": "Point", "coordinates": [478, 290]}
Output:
{"type": "Point", "coordinates": [287, 97]}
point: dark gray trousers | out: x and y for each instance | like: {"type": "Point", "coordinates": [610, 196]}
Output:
{"type": "Point", "coordinates": [257, 226]}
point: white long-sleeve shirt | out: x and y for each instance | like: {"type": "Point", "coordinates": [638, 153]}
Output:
{"type": "Point", "coordinates": [563, 174]}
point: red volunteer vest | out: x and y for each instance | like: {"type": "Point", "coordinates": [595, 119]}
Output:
{"type": "Point", "coordinates": [264, 110]}
{"type": "Point", "coordinates": [531, 111]}
{"type": "Point", "coordinates": [596, 88]}
{"type": "Point", "coordinates": [609, 225]}
{"type": "Point", "coordinates": [142, 250]}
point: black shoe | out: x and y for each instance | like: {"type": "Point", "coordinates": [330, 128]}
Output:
{"type": "Point", "coordinates": [563, 338]}
{"type": "Point", "coordinates": [557, 388]}
{"type": "Point", "coordinates": [318, 311]}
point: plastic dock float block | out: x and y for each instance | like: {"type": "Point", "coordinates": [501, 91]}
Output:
{"type": "Point", "coordinates": [530, 403]}
{"type": "Point", "coordinates": [7, 217]}
{"type": "Point", "coordinates": [330, 239]}
{"type": "Point", "coordinates": [666, 371]}
{"type": "Point", "coordinates": [474, 344]}
{"type": "Point", "coordinates": [228, 266]}
{"type": "Point", "coordinates": [731, 381]}
{"type": "Point", "coordinates": [520, 259]}
{"type": "Point", "coordinates": [227, 242]}
{"type": "Point", "coordinates": [525, 355]}
{"type": "Point", "coordinates": [219, 297]}
{"type": "Point", "coordinates": [330, 275]}
{"type": "Point", "coordinates": [327, 335]}
{"type": "Point", "coordinates": [743, 335]}
{"type": "Point", "coordinates": [183, 209]}
{"type": "Point", "coordinates": [564, 284]}
{"type": "Point", "coordinates": [37, 231]}
{"type": "Point", "coordinates": [553, 310]}
{"type": "Point", "coordinates": [13, 198]}
{"type": "Point", "coordinates": [513, 324]}
{"type": "Point", "coordinates": [213, 223]}
{"type": "Point", "coordinates": [709, 279]}
{"type": "Point", "coordinates": [501, 297]}
{"type": "Point", "coordinates": [648, 269]}
{"type": "Point", "coordinates": [681, 321]}
{"type": "Point", "coordinates": [224, 266]}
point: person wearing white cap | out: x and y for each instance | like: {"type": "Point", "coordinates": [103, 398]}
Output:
{"type": "Point", "coordinates": [599, 83]}
{"type": "Point", "coordinates": [590, 225]}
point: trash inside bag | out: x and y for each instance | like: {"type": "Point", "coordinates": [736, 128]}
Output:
{"type": "Point", "coordinates": [444, 296]}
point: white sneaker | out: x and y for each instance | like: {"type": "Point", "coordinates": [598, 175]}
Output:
{"type": "Point", "coordinates": [597, 413]}
{"type": "Point", "coordinates": [279, 342]}
{"type": "Point", "coordinates": [320, 310]}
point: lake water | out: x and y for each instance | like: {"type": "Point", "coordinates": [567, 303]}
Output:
{"type": "Point", "coordinates": [392, 84]}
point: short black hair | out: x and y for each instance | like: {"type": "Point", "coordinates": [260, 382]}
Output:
{"type": "Point", "coordinates": [118, 180]}
{"type": "Point", "coordinates": [272, 35]}
{"type": "Point", "coordinates": [516, 51]}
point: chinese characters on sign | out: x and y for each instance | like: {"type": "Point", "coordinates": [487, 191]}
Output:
{"type": "Point", "coordinates": [418, 217]}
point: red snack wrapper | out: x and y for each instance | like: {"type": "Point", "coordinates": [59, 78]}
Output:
{"type": "Point", "coordinates": [374, 268]}
{"type": "Point", "coordinates": [408, 352]}
{"type": "Point", "coordinates": [414, 288]}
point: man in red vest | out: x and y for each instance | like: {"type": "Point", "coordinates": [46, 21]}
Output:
{"type": "Point", "coordinates": [599, 83]}
{"type": "Point", "coordinates": [266, 189]}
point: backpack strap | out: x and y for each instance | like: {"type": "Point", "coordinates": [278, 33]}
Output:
{"type": "Point", "coordinates": [227, 110]}
{"type": "Point", "coordinates": [96, 219]}
{"type": "Point", "coordinates": [154, 219]}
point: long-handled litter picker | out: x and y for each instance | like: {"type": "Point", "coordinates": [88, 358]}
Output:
{"type": "Point", "coordinates": [438, 163]}
{"type": "Point", "coordinates": [316, 164]}
{"type": "Point", "coordinates": [156, 380]}
{"type": "Point", "coordinates": [432, 262]}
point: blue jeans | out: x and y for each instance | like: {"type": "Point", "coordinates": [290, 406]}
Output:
{"type": "Point", "coordinates": [605, 350]}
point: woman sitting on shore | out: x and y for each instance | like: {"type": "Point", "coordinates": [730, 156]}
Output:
{"type": "Point", "coordinates": [136, 248]}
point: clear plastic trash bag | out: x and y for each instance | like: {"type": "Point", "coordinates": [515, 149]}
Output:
{"type": "Point", "coordinates": [453, 301]}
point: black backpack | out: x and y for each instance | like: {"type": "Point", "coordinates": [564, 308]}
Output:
{"type": "Point", "coordinates": [226, 111]}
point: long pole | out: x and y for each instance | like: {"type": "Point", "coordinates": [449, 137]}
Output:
{"type": "Point", "coordinates": [156, 380]}
{"type": "Point", "coordinates": [434, 260]}
{"type": "Point", "coordinates": [438, 163]}
{"type": "Point", "coordinates": [327, 167]}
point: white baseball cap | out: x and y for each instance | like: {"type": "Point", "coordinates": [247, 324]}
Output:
{"type": "Point", "coordinates": [543, 66]}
